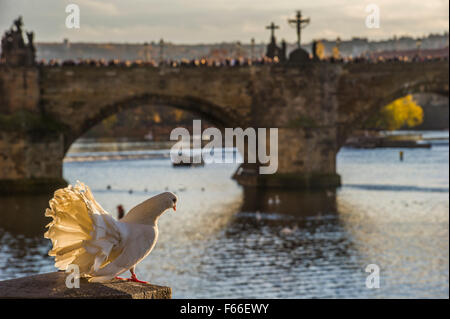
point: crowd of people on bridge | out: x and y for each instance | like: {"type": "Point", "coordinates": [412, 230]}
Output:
{"type": "Point", "coordinates": [228, 62]}
{"type": "Point", "coordinates": [202, 62]}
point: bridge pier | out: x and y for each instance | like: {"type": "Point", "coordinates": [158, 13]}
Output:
{"type": "Point", "coordinates": [287, 180]}
{"type": "Point", "coordinates": [30, 163]}
{"type": "Point", "coordinates": [306, 159]}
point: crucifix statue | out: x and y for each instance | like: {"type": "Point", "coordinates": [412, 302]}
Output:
{"type": "Point", "coordinates": [272, 27]}
{"type": "Point", "coordinates": [299, 22]}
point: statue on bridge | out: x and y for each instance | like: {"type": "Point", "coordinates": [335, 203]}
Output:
{"type": "Point", "coordinates": [273, 51]}
{"type": "Point", "coordinates": [15, 51]}
{"type": "Point", "coordinates": [299, 55]}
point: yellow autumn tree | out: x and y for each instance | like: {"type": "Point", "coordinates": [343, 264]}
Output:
{"type": "Point", "coordinates": [400, 113]}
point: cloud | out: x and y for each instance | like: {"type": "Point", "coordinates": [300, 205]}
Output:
{"type": "Point", "coordinates": [99, 7]}
{"type": "Point", "coordinates": [196, 21]}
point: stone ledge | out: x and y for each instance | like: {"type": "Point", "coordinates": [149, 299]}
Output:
{"type": "Point", "coordinates": [52, 285]}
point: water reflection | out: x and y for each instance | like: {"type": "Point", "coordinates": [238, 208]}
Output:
{"type": "Point", "coordinates": [23, 249]}
{"type": "Point", "coordinates": [282, 244]}
{"type": "Point", "coordinates": [289, 202]}
{"type": "Point", "coordinates": [24, 214]}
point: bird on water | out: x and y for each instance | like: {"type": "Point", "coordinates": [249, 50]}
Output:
{"type": "Point", "coordinates": [84, 234]}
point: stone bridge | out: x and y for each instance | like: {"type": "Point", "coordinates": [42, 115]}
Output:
{"type": "Point", "coordinates": [315, 106]}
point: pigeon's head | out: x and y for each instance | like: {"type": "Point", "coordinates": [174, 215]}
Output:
{"type": "Point", "coordinates": [169, 200]}
{"type": "Point", "coordinates": [150, 210]}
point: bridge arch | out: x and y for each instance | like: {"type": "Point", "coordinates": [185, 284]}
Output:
{"type": "Point", "coordinates": [439, 88]}
{"type": "Point", "coordinates": [373, 103]}
{"type": "Point", "coordinates": [205, 109]}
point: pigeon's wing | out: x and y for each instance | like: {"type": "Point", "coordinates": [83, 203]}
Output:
{"type": "Point", "coordinates": [139, 243]}
{"type": "Point", "coordinates": [82, 232]}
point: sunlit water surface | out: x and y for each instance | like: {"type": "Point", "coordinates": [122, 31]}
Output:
{"type": "Point", "coordinates": [226, 241]}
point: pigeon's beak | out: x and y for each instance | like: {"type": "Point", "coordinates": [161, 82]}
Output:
{"type": "Point", "coordinates": [174, 207]}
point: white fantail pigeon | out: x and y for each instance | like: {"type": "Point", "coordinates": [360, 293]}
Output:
{"type": "Point", "coordinates": [84, 234]}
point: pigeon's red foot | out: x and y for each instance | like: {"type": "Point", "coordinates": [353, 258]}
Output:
{"type": "Point", "coordinates": [121, 278]}
{"type": "Point", "coordinates": [134, 279]}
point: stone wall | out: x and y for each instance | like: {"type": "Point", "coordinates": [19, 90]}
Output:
{"type": "Point", "coordinates": [19, 89]}
{"type": "Point", "coordinates": [28, 164]}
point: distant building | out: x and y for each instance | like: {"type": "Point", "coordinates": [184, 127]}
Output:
{"type": "Point", "coordinates": [352, 47]}
{"type": "Point", "coordinates": [411, 54]}
{"type": "Point", "coordinates": [66, 43]}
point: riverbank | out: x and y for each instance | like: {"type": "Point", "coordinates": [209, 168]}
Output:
{"type": "Point", "coordinates": [398, 139]}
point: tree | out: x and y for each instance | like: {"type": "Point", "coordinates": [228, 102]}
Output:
{"type": "Point", "coordinates": [403, 112]}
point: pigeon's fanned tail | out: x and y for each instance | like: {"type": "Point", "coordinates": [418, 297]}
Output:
{"type": "Point", "coordinates": [82, 232]}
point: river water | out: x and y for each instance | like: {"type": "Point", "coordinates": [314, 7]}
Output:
{"type": "Point", "coordinates": [226, 241]}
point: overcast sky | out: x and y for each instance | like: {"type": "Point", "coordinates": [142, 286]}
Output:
{"type": "Point", "coordinates": [211, 21]}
